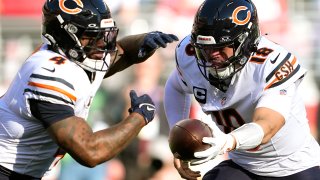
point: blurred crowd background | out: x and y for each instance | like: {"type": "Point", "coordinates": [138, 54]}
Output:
{"type": "Point", "coordinates": [293, 23]}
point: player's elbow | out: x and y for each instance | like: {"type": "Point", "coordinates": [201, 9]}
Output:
{"type": "Point", "coordinates": [91, 160]}
{"type": "Point", "coordinates": [90, 164]}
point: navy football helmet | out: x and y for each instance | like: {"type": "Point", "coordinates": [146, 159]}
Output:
{"type": "Point", "coordinates": [66, 22]}
{"type": "Point", "coordinates": [224, 23]}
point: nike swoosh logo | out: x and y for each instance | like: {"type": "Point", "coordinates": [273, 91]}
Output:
{"type": "Point", "coordinates": [51, 70]}
{"type": "Point", "coordinates": [150, 107]}
{"type": "Point", "coordinates": [273, 61]}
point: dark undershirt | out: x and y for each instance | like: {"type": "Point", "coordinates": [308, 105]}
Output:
{"type": "Point", "coordinates": [49, 113]}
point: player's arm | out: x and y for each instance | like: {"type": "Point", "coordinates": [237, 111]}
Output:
{"type": "Point", "coordinates": [176, 101]}
{"type": "Point", "coordinates": [76, 137]}
{"type": "Point", "coordinates": [138, 48]}
{"type": "Point", "coordinates": [89, 148]}
{"type": "Point", "coordinates": [268, 118]}
{"type": "Point", "coordinates": [273, 108]}
{"type": "Point", "coordinates": [270, 121]}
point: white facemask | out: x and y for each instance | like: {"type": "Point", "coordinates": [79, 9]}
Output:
{"type": "Point", "coordinates": [93, 65]}
{"type": "Point", "coordinates": [221, 73]}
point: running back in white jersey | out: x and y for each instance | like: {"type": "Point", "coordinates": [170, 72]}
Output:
{"type": "Point", "coordinates": [269, 79]}
{"type": "Point", "coordinates": [25, 145]}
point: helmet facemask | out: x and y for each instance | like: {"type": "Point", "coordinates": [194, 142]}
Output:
{"type": "Point", "coordinates": [101, 42]}
{"type": "Point", "coordinates": [220, 69]}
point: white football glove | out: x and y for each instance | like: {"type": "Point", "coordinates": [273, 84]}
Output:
{"type": "Point", "coordinates": [220, 144]}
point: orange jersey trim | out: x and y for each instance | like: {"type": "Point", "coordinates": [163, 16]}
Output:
{"type": "Point", "coordinates": [276, 80]}
{"type": "Point", "coordinates": [53, 89]}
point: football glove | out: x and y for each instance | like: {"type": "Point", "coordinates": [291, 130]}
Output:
{"type": "Point", "coordinates": [153, 40]}
{"type": "Point", "coordinates": [142, 105]}
{"type": "Point", "coordinates": [220, 144]}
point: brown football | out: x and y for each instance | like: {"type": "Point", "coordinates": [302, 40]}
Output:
{"type": "Point", "coordinates": [185, 138]}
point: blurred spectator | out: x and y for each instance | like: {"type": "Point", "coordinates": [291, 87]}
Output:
{"type": "Point", "coordinates": [316, 57]}
{"type": "Point", "coordinates": [175, 15]}
{"type": "Point", "coordinates": [160, 152]}
{"type": "Point", "coordinates": [14, 51]}
{"type": "Point", "coordinates": [72, 170]}
{"type": "Point", "coordinates": [125, 13]}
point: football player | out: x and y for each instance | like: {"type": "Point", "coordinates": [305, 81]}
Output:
{"type": "Point", "coordinates": [247, 85]}
{"type": "Point", "coordinates": [44, 111]}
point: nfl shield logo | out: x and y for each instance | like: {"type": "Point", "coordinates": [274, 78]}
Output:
{"type": "Point", "coordinates": [283, 92]}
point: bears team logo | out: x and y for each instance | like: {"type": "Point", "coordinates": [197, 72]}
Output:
{"type": "Point", "coordinates": [67, 10]}
{"type": "Point", "coordinates": [235, 16]}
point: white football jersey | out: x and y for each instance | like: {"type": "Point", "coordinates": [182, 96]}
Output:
{"type": "Point", "coordinates": [269, 79]}
{"type": "Point", "coordinates": [25, 145]}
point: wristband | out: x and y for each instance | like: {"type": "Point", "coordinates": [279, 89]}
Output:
{"type": "Point", "coordinates": [248, 136]}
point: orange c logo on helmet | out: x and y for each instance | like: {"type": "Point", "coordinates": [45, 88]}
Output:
{"type": "Point", "coordinates": [68, 10]}
{"type": "Point", "coordinates": [235, 16]}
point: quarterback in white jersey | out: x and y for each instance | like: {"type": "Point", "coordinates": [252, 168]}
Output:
{"type": "Point", "coordinates": [43, 113]}
{"type": "Point", "coordinates": [248, 85]}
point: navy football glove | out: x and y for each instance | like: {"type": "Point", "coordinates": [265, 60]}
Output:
{"type": "Point", "coordinates": [154, 40]}
{"type": "Point", "coordinates": [142, 105]}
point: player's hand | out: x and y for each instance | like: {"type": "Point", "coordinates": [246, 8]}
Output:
{"type": "Point", "coordinates": [154, 40]}
{"type": "Point", "coordinates": [142, 105]}
{"type": "Point", "coordinates": [220, 144]}
{"type": "Point", "coordinates": [184, 170]}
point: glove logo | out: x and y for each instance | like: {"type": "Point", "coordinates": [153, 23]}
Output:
{"type": "Point", "coordinates": [150, 107]}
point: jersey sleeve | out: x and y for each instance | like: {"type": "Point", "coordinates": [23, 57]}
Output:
{"type": "Point", "coordinates": [49, 113]}
{"type": "Point", "coordinates": [183, 61]}
{"type": "Point", "coordinates": [282, 70]}
{"type": "Point", "coordinates": [282, 76]}
{"type": "Point", "coordinates": [279, 100]}
{"type": "Point", "coordinates": [53, 87]}
{"type": "Point", "coordinates": [177, 102]}
{"type": "Point", "coordinates": [50, 93]}
{"type": "Point", "coordinates": [178, 90]}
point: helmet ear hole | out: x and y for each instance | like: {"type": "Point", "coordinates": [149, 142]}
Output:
{"type": "Point", "coordinates": [190, 50]}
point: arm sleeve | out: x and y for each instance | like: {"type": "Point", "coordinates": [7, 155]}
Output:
{"type": "Point", "coordinates": [176, 102]}
{"type": "Point", "coordinates": [130, 46]}
{"type": "Point", "coordinates": [49, 113]}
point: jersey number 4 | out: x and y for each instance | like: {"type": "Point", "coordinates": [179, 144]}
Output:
{"type": "Point", "coordinates": [58, 60]}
